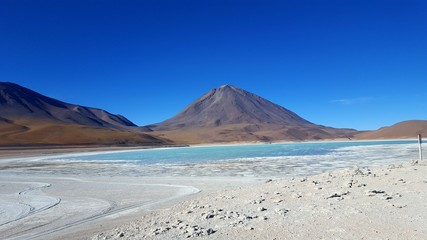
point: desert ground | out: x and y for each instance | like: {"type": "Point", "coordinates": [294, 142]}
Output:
{"type": "Point", "coordinates": [100, 201]}
{"type": "Point", "coordinates": [357, 203]}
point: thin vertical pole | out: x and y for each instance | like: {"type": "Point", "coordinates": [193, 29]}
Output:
{"type": "Point", "coordinates": [420, 141]}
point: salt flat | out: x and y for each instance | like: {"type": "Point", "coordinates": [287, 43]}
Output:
{"type": "Point", "coordinates": [356, 203]}
{"type": "Point", "coordinates": [51, 199]}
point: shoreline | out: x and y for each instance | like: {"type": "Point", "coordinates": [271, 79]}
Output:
{"type": "Point", "coordinates": [15, 152]}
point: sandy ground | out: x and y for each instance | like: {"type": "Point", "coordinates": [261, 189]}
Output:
{"type": "Point", "coordinates": [41, 200]}
{"type": "Point", "coordinates": [97, 201]}
{"type": "Point", "coordinates": [381, 203]}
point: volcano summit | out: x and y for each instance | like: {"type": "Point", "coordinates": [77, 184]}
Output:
{"type": "Point", "coordinates": [228, 114]}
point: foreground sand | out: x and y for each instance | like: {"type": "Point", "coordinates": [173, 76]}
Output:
{"type": "Point", "coordinates": [381, 203]}
{"type": "Point", "coordinates": [60, 200]}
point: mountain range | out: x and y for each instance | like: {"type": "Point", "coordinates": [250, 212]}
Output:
{"type": "Point", "coordinates": [29, 118]}
{"type": "Point", "coordinates": [224, 114]}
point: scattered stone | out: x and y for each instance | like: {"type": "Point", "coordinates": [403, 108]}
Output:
{"type": "Point", "coordinates": [349, 184]}
{"type": "Point", "coordinates": [262, 209]}
{"type": "Point", "coordinates": [259, 201]}
{"type": "Point", "coordinates": [338, 195]}
{"type": "Point", "coordinates": [228, 197]}
{"type": "Point", "coordinates": [297, 195]}
{"type": "Point", "coordinates": [371, 193]}
{"type": "Point", "coordinates": [210, 214]}
{"type": "Point", "coordinates": [282, 211]}
{"type": "Point", "coordinates": [399, 205]}
{"type": "Point", "coordinates": [386, 197]}
{"type": "Point", "coordinates": [402, 181]}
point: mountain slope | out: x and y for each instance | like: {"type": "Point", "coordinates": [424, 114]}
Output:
{"type": "Point", "coordinates": [18, 102]}
{"type": "Point", "coordinates": [406, 129]}
{"type": "Point", "coordinates": [231, 105]}
{"type": "Point", "coordinates": [29, 118]}
{"type": "Point", "coordinates": [228, 113]}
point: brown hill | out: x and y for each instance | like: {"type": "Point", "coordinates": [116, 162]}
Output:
{"type": "Point", "coordinates": [29, 118]}
{"type": "Point", "coordinates": [228, 114]}
{"type": "Point", "coordinates": [401, 130]}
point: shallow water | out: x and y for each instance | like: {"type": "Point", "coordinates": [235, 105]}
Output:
{"type": "Point", "coordinates": [262, 160]}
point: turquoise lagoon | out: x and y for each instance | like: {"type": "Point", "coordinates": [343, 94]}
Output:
{"type": "Point", "coordinates": [257, 160]}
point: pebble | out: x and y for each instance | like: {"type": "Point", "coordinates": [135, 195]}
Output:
{"type": "Point", "coordinates": [282, 211]}
{"type": "Point", "coordinates": [371, 193]}
{"type": "Point", "coordinates": [262, 209]}
{"type": "Point", "coordinates": [338, 195]}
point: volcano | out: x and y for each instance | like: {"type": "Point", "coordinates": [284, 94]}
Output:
{"type": "Point", "coordinates": [228, 114]}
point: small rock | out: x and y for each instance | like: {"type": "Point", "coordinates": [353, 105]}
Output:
{"type": "Point", "coordinates": [371, 193]}
{"type": "Point", "coordinates": [282, 211]}
{"type": "Point", "coordinates": [399, 205]}
{"type": "Point", "coordinates": [210, 231]}
{"type": "Point", "coordinates": [262, 209]}
{"type": "Point", "coordinates": [337, 195]}
{"type": "Point", "coordinates": [297, 195]}
{"type": "Point", "coordinates": [386, 197]}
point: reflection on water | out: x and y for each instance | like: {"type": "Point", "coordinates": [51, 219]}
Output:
{"type": "Point", "coordinates": [276, 160]}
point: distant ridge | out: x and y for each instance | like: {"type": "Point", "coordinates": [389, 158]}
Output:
{"type": "Point", "coordinates": [228, 113]}
{"type": "Point", "coordinates": [401, 130]}
{"type": "Point", "coordinates": [30, 118]}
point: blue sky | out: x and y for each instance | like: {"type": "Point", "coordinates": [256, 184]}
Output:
{"type": "Point", "coordinates": [341, 63]}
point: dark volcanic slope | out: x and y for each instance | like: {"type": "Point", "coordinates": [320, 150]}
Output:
{"type": "Point", "coordinates": [228, 114]}
{"type": "Point", "coordinates": [17, 102]}
{"type": "Point", "coordinates": [231, 105]}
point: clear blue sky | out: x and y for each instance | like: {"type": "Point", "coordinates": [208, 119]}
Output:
{"type": "Point", "coordinates": [340, 63]}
